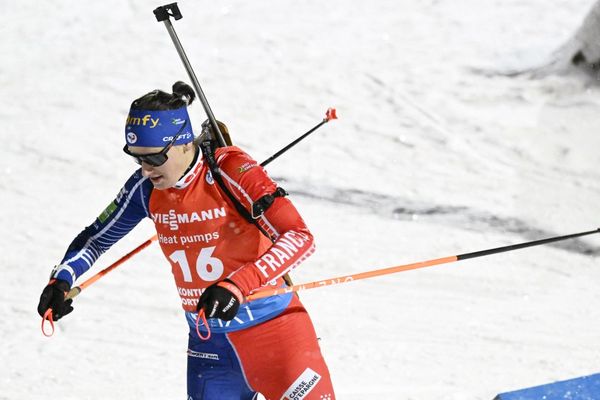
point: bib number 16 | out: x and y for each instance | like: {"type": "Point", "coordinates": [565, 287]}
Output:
{"type": "Point", "coordinates": [209, 268]}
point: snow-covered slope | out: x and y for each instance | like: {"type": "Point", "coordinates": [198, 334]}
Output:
{"type": "Point", "coordinates": [430, 157]}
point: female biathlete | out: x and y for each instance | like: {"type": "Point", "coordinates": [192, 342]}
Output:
{"type": "Point", "coordinates": [217, 256]}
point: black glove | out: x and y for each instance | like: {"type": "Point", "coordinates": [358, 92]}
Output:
{"type": "Point", "coordinates": [53, 296]}
{"type": "Point", "coordinates": [221, 300]}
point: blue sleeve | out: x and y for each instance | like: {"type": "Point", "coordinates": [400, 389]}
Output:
{"type": "Point", "coordinates": [118, 219]}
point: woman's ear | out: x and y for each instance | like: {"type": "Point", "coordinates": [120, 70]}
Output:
{"type": "Point", "coordinates": [188, 147]}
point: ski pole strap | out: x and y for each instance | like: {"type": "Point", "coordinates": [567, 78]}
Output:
{"type": "Point", "coordinates": [202, 317]}
{"type": "Point", "coordinates": [47, 317]}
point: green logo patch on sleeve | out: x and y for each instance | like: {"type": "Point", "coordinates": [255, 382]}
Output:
{"type": "Point", "coordinates": [107, 212]}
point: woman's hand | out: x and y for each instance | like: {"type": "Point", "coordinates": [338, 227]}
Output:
{"type": "Point", "coordinates": [53, 296]}
{"type": "Point", "coordinates": [221, 300]}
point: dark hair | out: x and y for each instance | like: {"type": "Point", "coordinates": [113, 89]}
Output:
{"type": "Point", "coordinates": [182, 95]}
{"type": "Point", "coordinates": [207, 133]}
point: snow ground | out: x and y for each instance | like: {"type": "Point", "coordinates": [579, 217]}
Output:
{"type": "Point", "coordinates": [430, 157]}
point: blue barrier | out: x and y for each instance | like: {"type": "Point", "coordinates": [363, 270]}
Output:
{"type": "Point", "coordinates": [583, 388]}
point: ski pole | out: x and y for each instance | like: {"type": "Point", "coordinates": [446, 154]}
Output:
{"type": "Point", "coordinates": [329, 115]}
{"type": "Point", "coordinates": [163, 14]}
{"type": "Point", "coordinates": [77, 289]}
{"type": "Point", "coordinates": [422, 264]}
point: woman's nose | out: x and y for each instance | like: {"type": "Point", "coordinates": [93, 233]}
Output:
{"type": "Point", "coordinates": [146, 168]}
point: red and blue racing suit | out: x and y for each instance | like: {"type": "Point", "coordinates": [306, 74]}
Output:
{"type": "Point", "coordinates": [270, 347]}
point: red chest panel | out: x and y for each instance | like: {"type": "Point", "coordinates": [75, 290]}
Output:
{"type": "Point", "coordinates": [202, 235]}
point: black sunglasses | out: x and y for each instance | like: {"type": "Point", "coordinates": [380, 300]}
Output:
{"type": "Point", "coordinates": [155, 159]}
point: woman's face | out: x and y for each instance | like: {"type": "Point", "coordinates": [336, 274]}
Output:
{"type": "Point", "coordinates": [166, 175]}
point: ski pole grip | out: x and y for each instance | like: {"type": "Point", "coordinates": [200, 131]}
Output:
{"type": "Point", "coordinates": [73, 292]}
{"type": "Point", "coordinates": [163, 13]}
